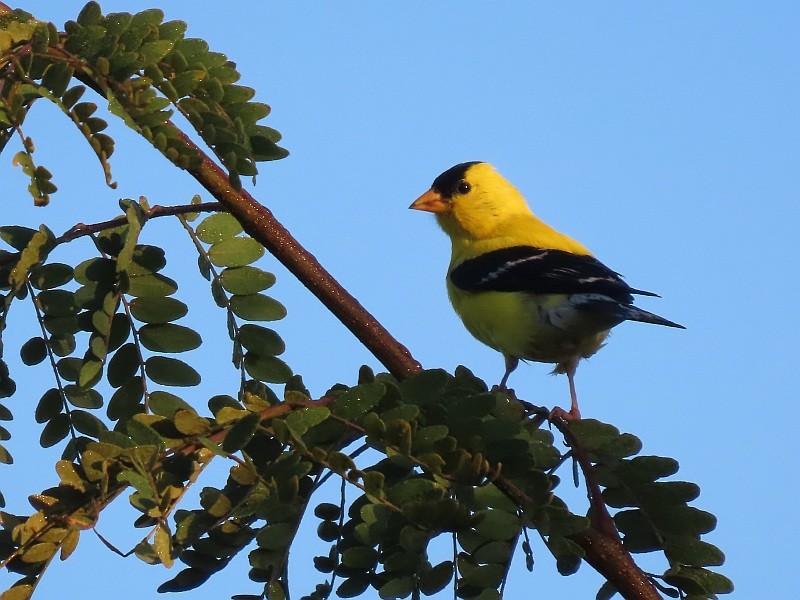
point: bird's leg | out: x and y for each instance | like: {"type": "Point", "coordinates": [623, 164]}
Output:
{"type": "Point", "coordinates": [574, 413]}
{"type": "Point", "coordinates": [511, 364]}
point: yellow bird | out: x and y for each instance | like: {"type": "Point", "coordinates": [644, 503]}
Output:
{"type": "Point", "coordinates": [521, 287]}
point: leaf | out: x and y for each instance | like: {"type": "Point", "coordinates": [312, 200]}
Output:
{"type": "Point", "coordinates": [353, 586]}
{"type": "Point", "coordinates": [16, 236]}
{"type": "Point", "coordinates": [275, 536]}
{"type": "Point", "coordinates": [146, 260]}
{"type": "Point", "coordinates": [260, 340]}
{"type": "Point", "coordinates": [153, 285]}
{"type": "Point", "coordinates": [436, 579]}
{"type": "Point", "coordinates": [169, 337]}
{"type": "Point", "coordinates": [143, 434]}
{"type": "Point", "coordinates": [606, 591]}
{"type": "Point", "coordinates": [171, 371]}
{"type": "Point", "coordinates": [246, 280]}
{"type": "Point", "coordinates": [83, 398]}
{"type": "Point", "coordinates": [33, 351]}
{"type": "Point", "coordinates": [357, 400]}
{"type": "Point", "coordinates": [362, 558]}
{"type": "Point", "coordinates": [692, 552]}
{"type": "Point", "coordinates": [50, 404]}
{"type": "Point", "coordinates": [401, 587]}
{"type": "Point", "coordinates": [166, 404]}
{"type": "Point", "coordinates": [163, 545]}
{"type": "Point", "coordinates": [217, 227]}
{"type": "Point", "coordinates": [87, 423]}
{"type": "Point", "coordinates": [241, 433]}
{"type": "Point", "coordinates": [123, 366]}
{"type": "Point", "coordinates": [126, 401]}
{"type": "Point", "coordinates": [257, 307]}
{"type": "Point", "coordinates": [267, 368]}
{"type": "Point", "coordinates": [55, 431]}
{"type": "Point", "coordinates": [57, 303]}
{"type": "Point", "coordinates": [53, 275]}
{"type": "Point", "coordinates": [235, 252]}
{"type": "Point", "coordinates": [188, 579]}
{"type": "Point", "coordinates": [157, 309]}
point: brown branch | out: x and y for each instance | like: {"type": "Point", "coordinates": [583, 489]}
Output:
{"type": "Point", "coordinates": [261, 224]}
{"type": "Point", "coordinates": [80, 229]}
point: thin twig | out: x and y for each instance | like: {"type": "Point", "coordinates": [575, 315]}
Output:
{"type": "Point", "coordinates": [79, 230]}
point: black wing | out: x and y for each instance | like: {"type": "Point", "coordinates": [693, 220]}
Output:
{"type": "Point", "coordinates": [541, 271]}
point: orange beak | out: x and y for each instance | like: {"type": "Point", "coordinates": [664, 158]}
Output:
{"type": "Point", "coordinates": [431, 201]}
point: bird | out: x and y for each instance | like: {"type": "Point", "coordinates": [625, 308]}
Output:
{"type": "Point", "coordinates": [521, 287]}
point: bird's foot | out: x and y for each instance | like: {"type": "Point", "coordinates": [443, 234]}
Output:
{"type": "Point", "coordinates": [569, 416]}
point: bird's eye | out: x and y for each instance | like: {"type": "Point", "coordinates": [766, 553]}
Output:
{"type": "Point", "coordinates": [463, 187]}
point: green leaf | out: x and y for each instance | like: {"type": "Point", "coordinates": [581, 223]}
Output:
{"type": "Point", "coordinates": [267, 368]}
{"type": "Point", "coordinates": [96, 270]}
{"type": "Point", "coordinates": [246, 280]}
{"type": "Point", "coordinates": [185, 580]}
{"type": "Point", "coordinates": [166, 404]}
{"type": "Point", "coordinates": [87, 423]}
{"type": "Point", "coordinates": [83, 398]}
{"type": "Point", "coordinates": [55, 431]}
{"type": "Point", "coordinates": [171, 371]}
{"type": "Point", "coordinates": [698, 580]}
{"type": "Point", "coordinates": [606, 591]}
{"type": "Point", "coordinates": [257, 307]}
{"type": "Point", "coordinates": [362, 558]}
{"type": "Point", "coordinates": [497, 525]}
{"type": "Point", "coordinates": [62, 345]}
{"type": "Point", "coordinates": [153, 285]}
{"type": "Point", "coordinates": [400, 587]}
{"type": "Point", "coordinates": [692, 552]}
{"type": "Point", "coordinates": [123, 366]}
{"type": "Point", "coordinates": [353, 586]}
{"type": "Point", "coordinates": [33, 351]}
{"type": "Point", "coordinates": [275, 536]}
{"type": "Point", "coordinates": [235, 252]}
{"type": "Point", "coordinates": [16, 236]}
{"type": "Point", "coordinates": [152, 52]}
{"type": "Point", "coordinates": [217, 227]}
{"type": "Point", "coordinates": [91, 371]}
{"type": "Point", "coordinates": [143, 434]}
{"type": "Point", "coordinates": [146, 260]}
{"type": "Point", "coordinates": [126, 401]}
{"type": "Point", "coordinates": [169, 338]}
{"type": "Point", "coordinates": [50, 404]}
{"type": "Point", "coordinates": [44, 277]}
{"type": "Point", "coordinates": [436, 579]}
{"type": "Point", "coordinates": [57, 303]}
{"type": "Point", "coordinates": [327, 511]}
{"type": "Point", "coordinates": [260, 340]}
{"type": "Point", "coordinates": [157, 309]}
{"type": "Point", "coordinates": [357, 401]}
{"type": "Point", "coordinates": [241, 433]}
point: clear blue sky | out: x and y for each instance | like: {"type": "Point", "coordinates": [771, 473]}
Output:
{"type": "Point", "coordinates": [665, 136]}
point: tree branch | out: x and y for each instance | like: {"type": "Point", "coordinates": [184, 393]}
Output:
{"type": "Point", "coordinates": [79, 230]}
{"type": "Point", "coordinates": [261, 224]}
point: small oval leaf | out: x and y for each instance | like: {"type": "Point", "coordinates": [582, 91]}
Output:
{"type": "Point", "coordinates": [171, 371]}
{"type": "Point", "coordinates": [257, 307]}
{"type": "Point", "coordinates": [235, 252]}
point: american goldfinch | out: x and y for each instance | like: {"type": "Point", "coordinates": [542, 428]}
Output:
{"type": "Point", "coordinates": [521, 287]}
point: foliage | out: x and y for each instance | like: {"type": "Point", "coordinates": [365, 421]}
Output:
{"type": "Point", "coordinates": [422, 458]}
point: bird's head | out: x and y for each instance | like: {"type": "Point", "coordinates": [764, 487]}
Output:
{"type": "Point", "coordinates": [471, 200]}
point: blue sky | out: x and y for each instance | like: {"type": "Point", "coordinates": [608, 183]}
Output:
{"type": "Point", "coordinates": [665, 136]}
